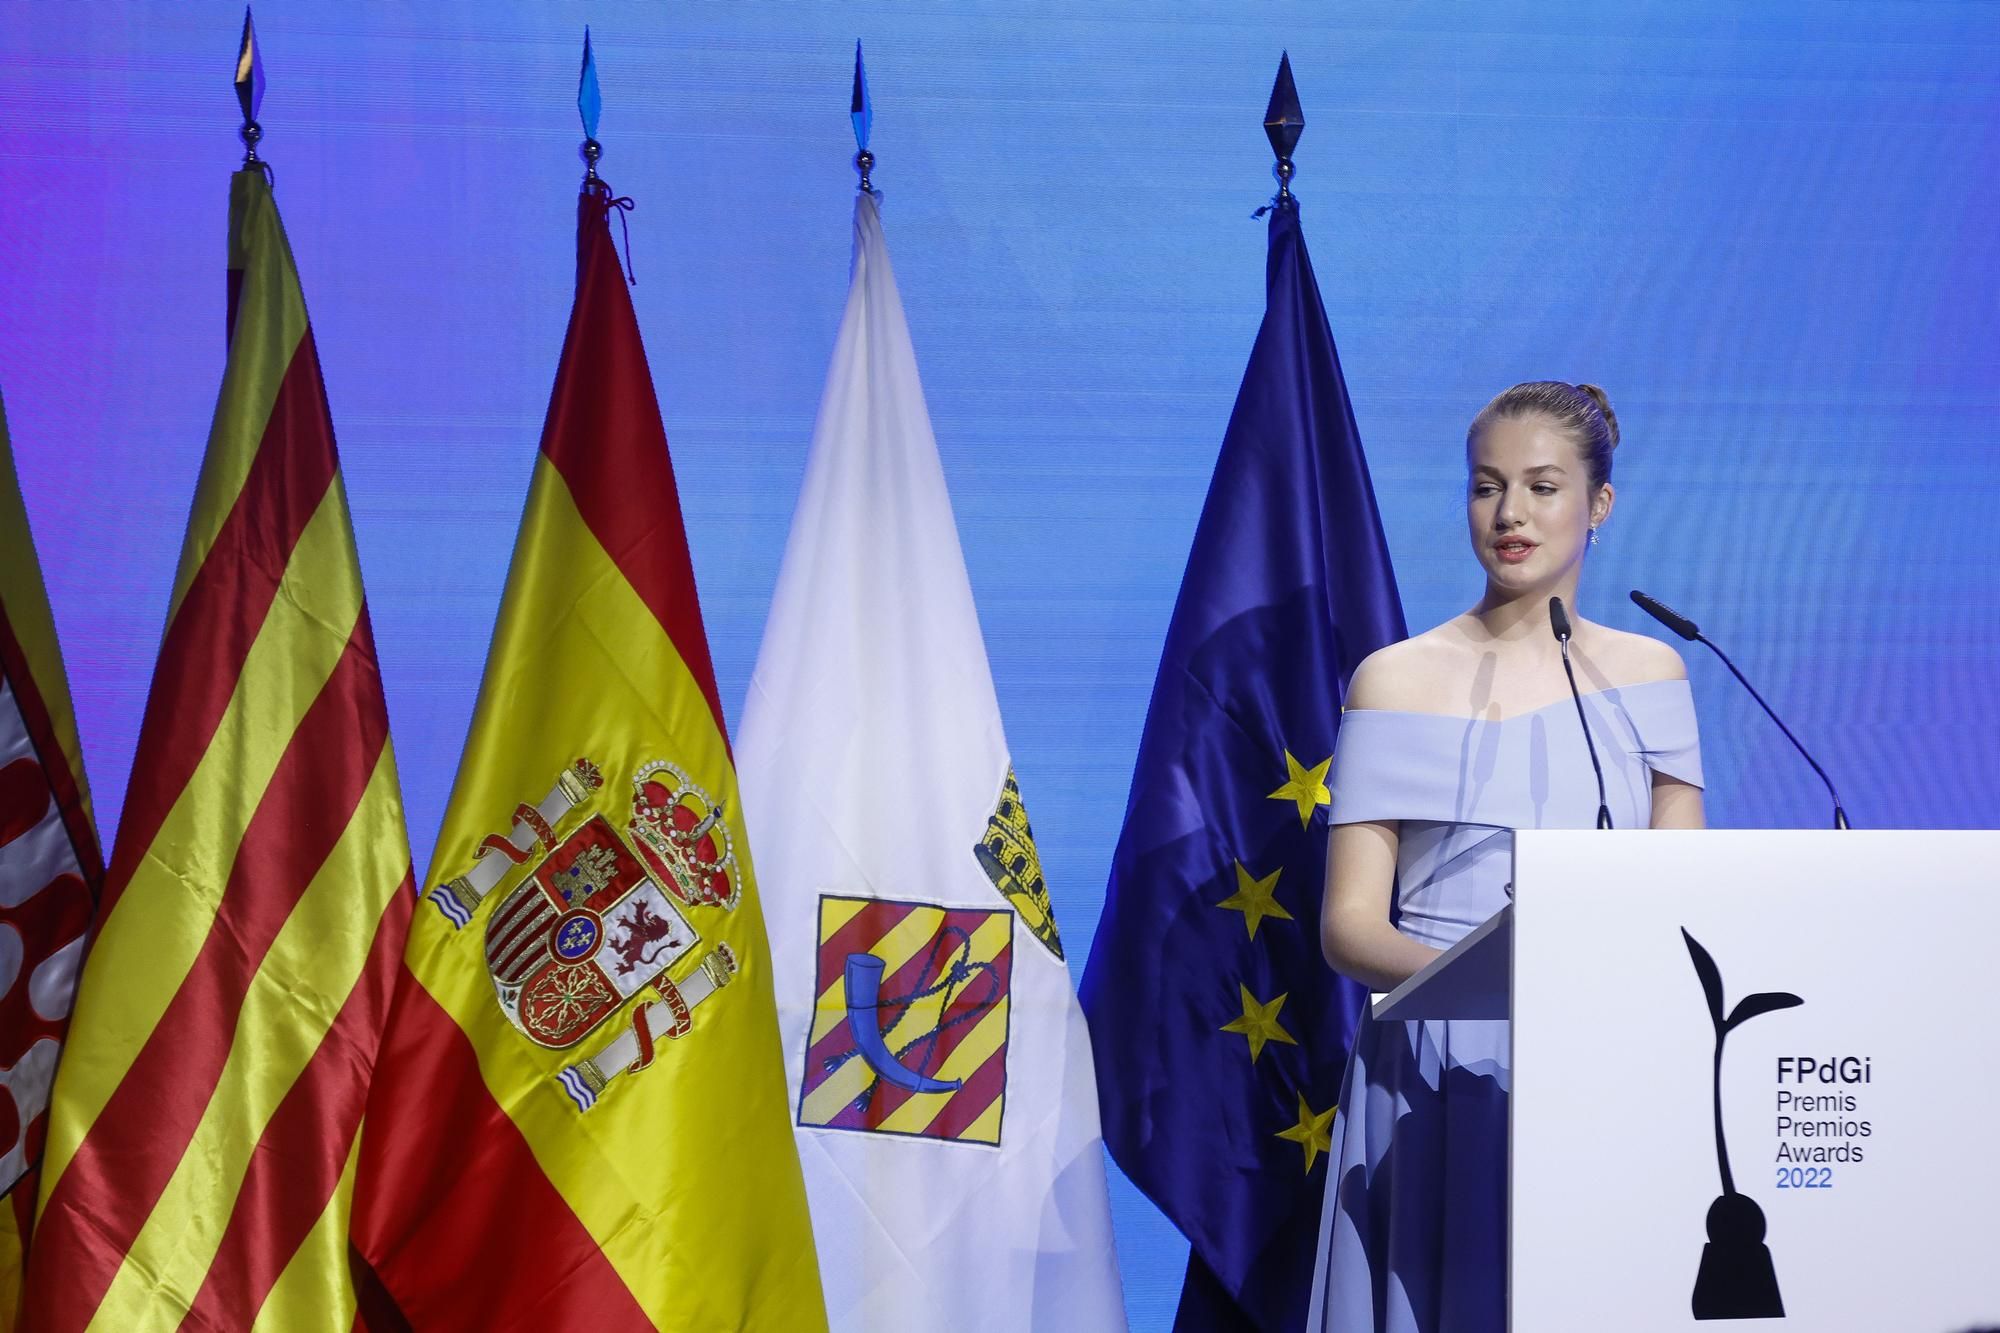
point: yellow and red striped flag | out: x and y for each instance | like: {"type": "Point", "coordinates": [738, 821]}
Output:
{"type": "Point", "coordinates": [202, 1134]}
{"type": "Point", "coordinates": [50, 872]}
{"type": "Point", "coordinates": [580, 1117]}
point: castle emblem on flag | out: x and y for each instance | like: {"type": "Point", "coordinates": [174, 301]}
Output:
{"type": "Point", "coordinates": [585, 932]}
{"type": "Point", "coordinates": [534, 827]}
{"type": "Point", "coordinates": [909, 1031]}
{"type": "Point", "coordinates": [1007, 854]}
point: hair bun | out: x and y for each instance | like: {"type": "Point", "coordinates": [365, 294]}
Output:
{"type": "Point", "coordinates": [1603, 401]}
{"type": "Point", "coordinates": [1580, 411]}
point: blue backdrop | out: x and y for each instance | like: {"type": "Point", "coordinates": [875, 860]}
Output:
{"type": "Point", "coordinates": [1767, 229]}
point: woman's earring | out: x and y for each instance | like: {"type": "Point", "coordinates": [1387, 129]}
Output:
{"type": "Point", "coordinates": [1593, 534]}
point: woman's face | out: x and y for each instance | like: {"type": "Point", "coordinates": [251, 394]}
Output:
{"type": "Point", "coordinates": [1529, 506]}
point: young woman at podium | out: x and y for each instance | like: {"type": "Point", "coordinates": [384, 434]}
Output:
{"type": "Point", "coordinates": [1450, 741]}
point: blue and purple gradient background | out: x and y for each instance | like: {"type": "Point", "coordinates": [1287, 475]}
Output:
{"type": "Point", "coordinates": [1767, 229]}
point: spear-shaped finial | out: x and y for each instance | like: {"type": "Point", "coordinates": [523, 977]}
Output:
{"type": "Point", "coordinates": [589, 103]}
{"type": "Point", "coordinates": [250, 88]}
{"type": "Point", "coordinates": [1283, 123]}
{"type": "Point", "coordinates": [862, 112]}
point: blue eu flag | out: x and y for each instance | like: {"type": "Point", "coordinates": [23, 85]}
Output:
{"type": "Point", "coordinates": [1220, 1033]}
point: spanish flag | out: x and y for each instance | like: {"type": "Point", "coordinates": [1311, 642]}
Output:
{"type": "Point", "coordinates": [580, 1118]}
{"type": "Point", "coordinates": [201, 1141]}
{"type": "Point", "coordinates": [49, 872]}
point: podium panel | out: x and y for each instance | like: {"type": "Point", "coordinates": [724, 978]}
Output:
{"type": "Point", "coordinates": [1859, 1085]}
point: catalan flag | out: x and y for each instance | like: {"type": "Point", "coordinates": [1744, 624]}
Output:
{"type": "Point", "coordinates": [50, 872]}
{"type": "Point", "coordinates": [202, 1135]}
{"type": "Point", "coordinates": [580, 1118]}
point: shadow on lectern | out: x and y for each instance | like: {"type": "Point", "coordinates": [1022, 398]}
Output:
{"type": "Point", "coordinates": [1736, 1279]}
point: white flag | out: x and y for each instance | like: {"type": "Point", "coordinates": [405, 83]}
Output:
{"type": "Point", "coordinates": [942, 1091]}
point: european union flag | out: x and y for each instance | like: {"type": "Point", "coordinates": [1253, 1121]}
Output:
{"type": "Point", "coordinates": [1220, 1033]}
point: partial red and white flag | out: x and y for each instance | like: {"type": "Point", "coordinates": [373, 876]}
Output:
{"type": "Point", "coordinates": [50, 872]}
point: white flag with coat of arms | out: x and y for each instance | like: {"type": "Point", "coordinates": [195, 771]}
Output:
{"type": "Point", "coordinates": [941, 1080]}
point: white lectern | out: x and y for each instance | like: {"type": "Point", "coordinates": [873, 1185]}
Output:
{"type": "Point", "coordinates": [1854, 1103]}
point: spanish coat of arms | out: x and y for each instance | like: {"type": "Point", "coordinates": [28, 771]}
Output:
{"type": "Point", "coordinates": [600, 918]}
{"type": "Point", "coordinates": [582, 934]}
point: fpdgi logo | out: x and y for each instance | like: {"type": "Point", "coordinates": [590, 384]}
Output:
{"type": "Point", "coordinates": [1736, 1279]}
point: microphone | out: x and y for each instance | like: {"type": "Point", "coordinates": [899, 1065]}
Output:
{"type": "Point", "coordinates": [1687, 629]}
{"type": "Point", "coordinates": [1559, 622]}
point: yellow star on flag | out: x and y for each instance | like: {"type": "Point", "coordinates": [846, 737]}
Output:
{"type": "Point", "coordinates": [1314, 1132]}
{"type": "Point", "coordinates": [1253, 898]}
{"type": "Point", "coordinates": [1305, 787]}
{"type": "Point", "coordinates": [1259, 1023]}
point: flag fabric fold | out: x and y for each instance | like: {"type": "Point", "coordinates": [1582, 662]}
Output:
{"type": "Point", "coordinates": [939, 1066]}
{"type": "Point", "coordinates": [1221, 1034]}
{"type": "Point", "coordinates": [199, 1152]}
{"type": "Point", "coordinates": [579, 1120]}
{"type": "Point", "coordinates": [50, 873]}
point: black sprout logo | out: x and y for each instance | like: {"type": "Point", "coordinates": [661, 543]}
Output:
{"type": "Point", "coordinates": [1736, 1279]}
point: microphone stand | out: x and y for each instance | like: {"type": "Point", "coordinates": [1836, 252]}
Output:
{"type": "Point", "coordinates": [1559, 623]}
{"type": "Point", "coordinates": [1686, 628]}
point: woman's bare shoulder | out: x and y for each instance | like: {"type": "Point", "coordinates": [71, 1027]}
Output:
{"type": "Point", "coordinates": [1409, 675]}
{"type": "Point", "coordinates": [1635, 659]}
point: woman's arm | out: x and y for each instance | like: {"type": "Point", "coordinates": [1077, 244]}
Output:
{"type": "Point", "coordinates": [1354, 930]}
{"type": "Point", "coordinates": [1676, 804]}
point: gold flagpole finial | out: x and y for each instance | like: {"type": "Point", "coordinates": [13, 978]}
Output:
{"type": "Point", "coordinates": [250, 88]}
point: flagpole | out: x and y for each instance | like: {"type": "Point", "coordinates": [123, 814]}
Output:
{"type": "Point", "coordinates": [861, 110]}
{"type": "Point", "coordinates": [250, 90]}
{"type": "Point", "coordinates": [1283, 123]}
{"type": "Point", "coordinates": [589, 104]}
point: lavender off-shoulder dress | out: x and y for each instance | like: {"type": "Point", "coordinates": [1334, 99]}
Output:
{"type": "Point", "coordinates": [1413, 1235]}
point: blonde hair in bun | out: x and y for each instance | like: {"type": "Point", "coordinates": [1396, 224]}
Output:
{"type": "Point", "coordinates": [1581, 411]}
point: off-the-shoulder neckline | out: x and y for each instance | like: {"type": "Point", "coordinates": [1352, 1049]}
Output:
{"type": "Point", "coordinates": [1613, 690]}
